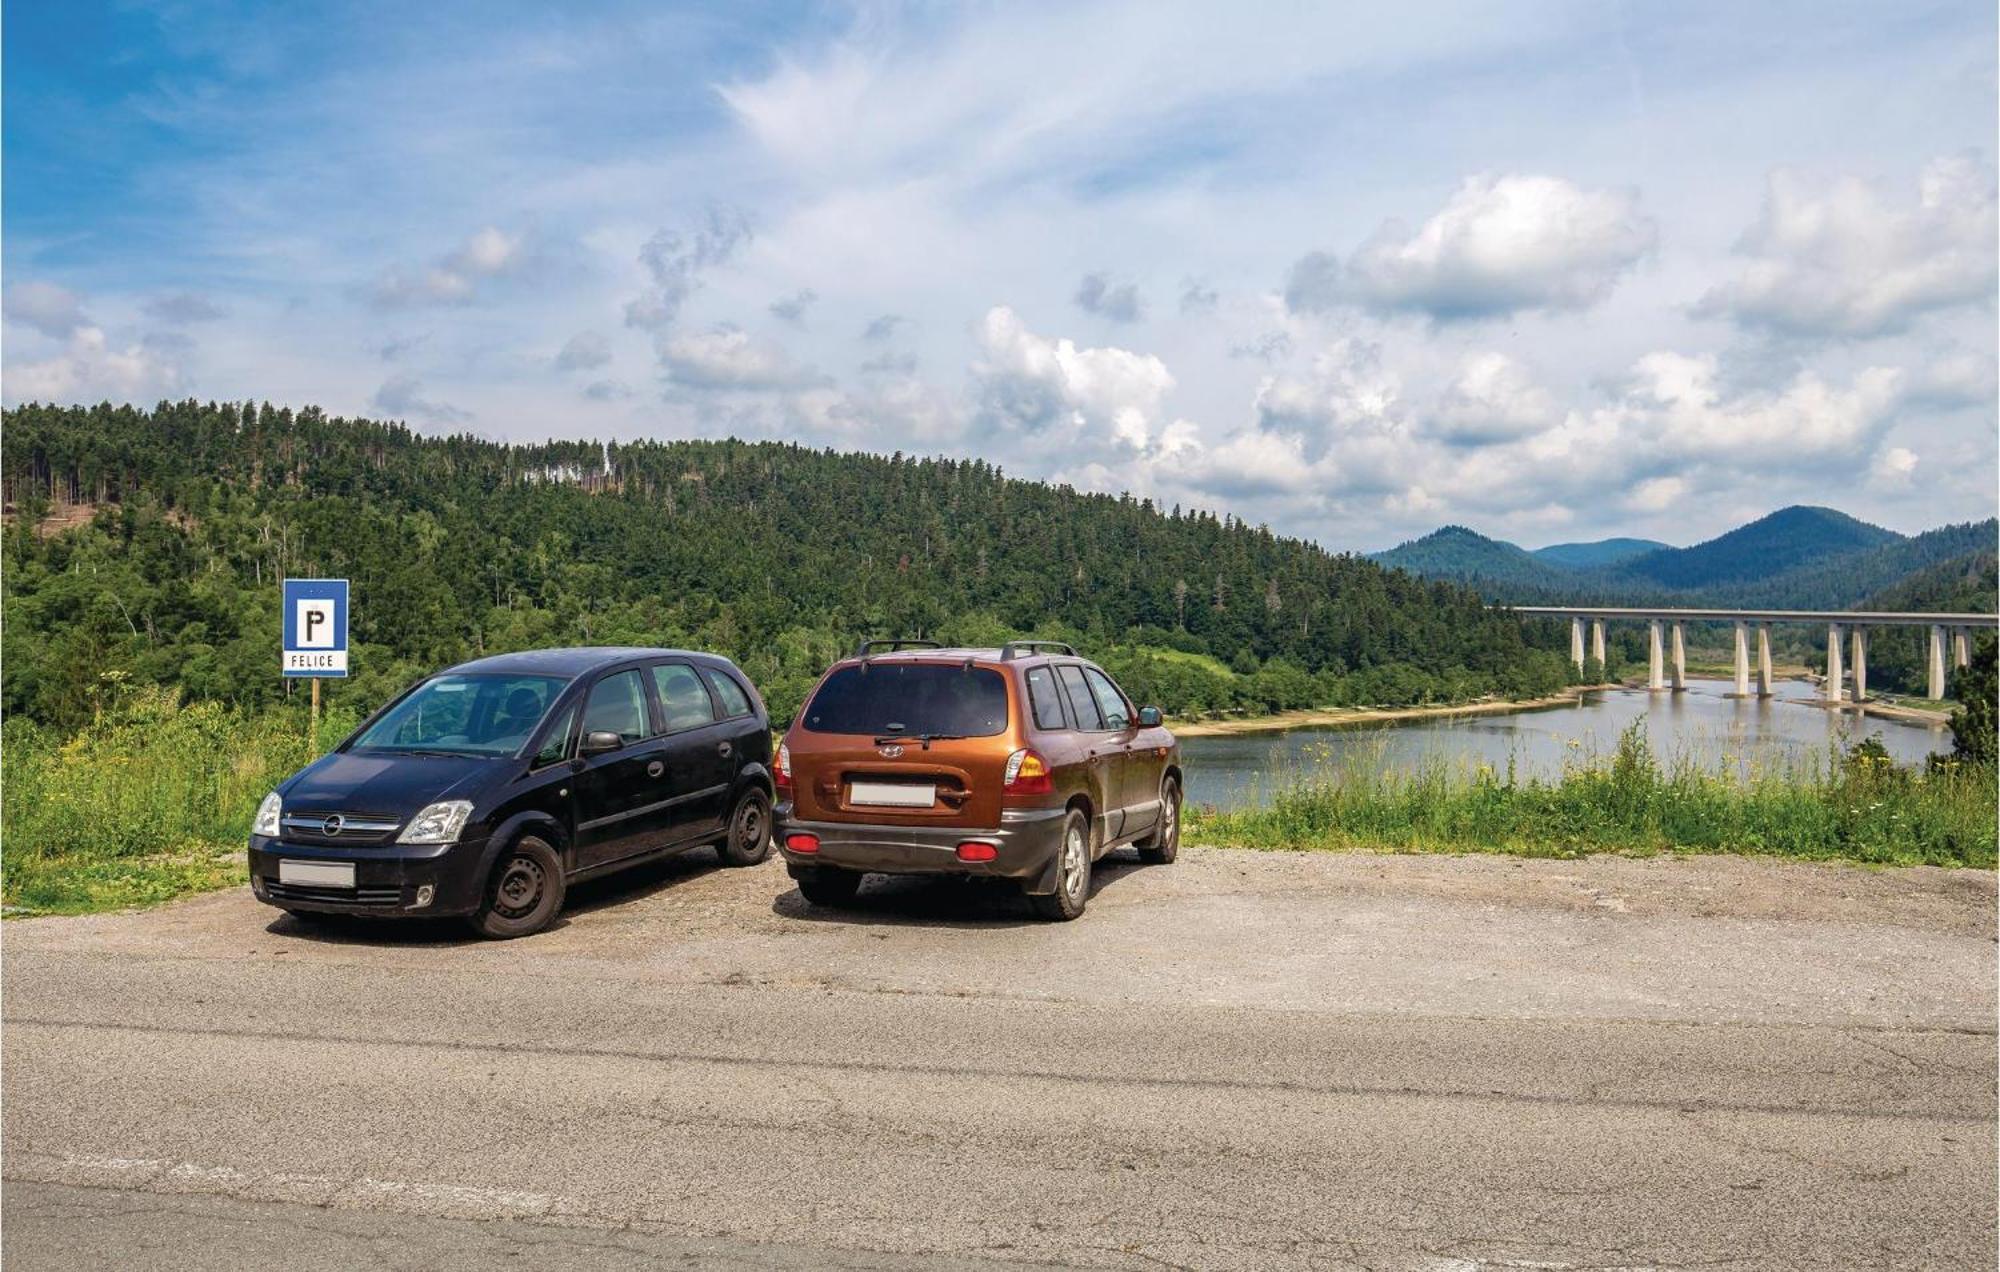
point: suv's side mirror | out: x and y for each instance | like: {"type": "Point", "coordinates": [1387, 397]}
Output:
{"type": "Point", "coordinates": [598, 741]}
{"type": "Point", "coordinates": [1149, 717]}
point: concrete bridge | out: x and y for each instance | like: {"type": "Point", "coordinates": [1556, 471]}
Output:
{"type": "Point", "coordinates": [1842, 626]}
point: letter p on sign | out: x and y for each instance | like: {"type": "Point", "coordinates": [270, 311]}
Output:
{"type": "Point", "coordinates": [315, 619]}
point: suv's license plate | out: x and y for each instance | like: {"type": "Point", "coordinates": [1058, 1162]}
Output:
{"type": "Point", "coordinates": [317, 874]}
{"type": "Point", "coordinates": [891, 794]}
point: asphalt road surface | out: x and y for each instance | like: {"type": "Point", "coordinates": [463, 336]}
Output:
{"type": "Point", "coordinates": [1240, 1061]}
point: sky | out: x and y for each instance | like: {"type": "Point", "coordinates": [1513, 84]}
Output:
{"type": "Point", "coordinates": [1554, 271]}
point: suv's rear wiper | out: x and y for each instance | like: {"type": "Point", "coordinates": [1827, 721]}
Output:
{"type": "Point", "coordinates": [925, 738]}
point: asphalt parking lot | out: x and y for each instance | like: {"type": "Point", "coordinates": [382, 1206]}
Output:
{"type": "Point", "coordinates": [1240, 1061]}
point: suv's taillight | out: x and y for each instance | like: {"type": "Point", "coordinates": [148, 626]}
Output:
{"type": "Point", "coordinates": [781, 768]}
{"type": "Point", "coordinates": [1028, 774]}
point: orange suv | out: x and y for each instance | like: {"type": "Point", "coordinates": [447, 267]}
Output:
{"type": "Point", "coordinates": [1024, 762]}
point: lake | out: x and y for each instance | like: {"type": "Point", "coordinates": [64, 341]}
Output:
{"type": "Point", "coordinates": [1702, 722]}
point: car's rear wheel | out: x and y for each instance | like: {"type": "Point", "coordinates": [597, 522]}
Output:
{"type": "Point", "coordinates": [749, 840]}
{"type": "Point", "coordinates": [1165, 844]}
{"type": "Point", "coordinates": [1072, 872]}
{"type": "Point", "coordinates": [829, 886]}
{"type": "Point", "coordinates": [524, 892]}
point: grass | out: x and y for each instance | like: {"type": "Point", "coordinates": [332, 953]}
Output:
{"type": "Point", "coordinates": [1855, 807]}
{"type": "Point", "coordinates": [152, 802]}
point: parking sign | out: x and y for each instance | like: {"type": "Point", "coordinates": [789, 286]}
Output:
{"type": "Point", "coordinates": [315, 627]}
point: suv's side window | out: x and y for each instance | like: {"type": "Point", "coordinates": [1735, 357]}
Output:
{"type": "Point", "coordinates": [617, 705]}
{"type": "Point", "coordinates": [684, 701]}
{"type": "Point", "coordinates": [1111, 702]}
{"type": "Point", "coordinates": [730, 694]}
{"type": "Point", "coordinates": [1081, 704]}
{"type": "Point", "coordinates": [556, 745]}
{"type": "Point", "coordinates": [1043, 699]}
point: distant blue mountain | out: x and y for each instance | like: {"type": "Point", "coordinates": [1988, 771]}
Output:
{"type": "Point", "coordinates": [1602, 552]}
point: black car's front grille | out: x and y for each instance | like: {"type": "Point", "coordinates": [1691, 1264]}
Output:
{"type": "Point", "coordinates": [356, 897]}
{"type": "Point", "coordinates": [352, 829]}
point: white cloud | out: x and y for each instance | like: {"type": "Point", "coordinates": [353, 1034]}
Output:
{"type": "Point", "coordinates": [455, 279]}
{"type": "Point", "coordinates": [1494, 399]}
{"type": "Point", "coordinates": [1656, 494]}
{"type": "Point", "coordinates": [184, 307]}
{"type": "Point", "coordinates": [1501, 245]}
{"type": "Point", "coordinates": [402, 397]}
{"type": "Point", "coordinates": [1096, 294]}
{"type": "Point", "coordinates": [1894, 466]}
{"type": "Point", "coordinates": [675, 263]}
{"type": "Point", "coordinates": [89, 369]}
{"type": "Point", "coordinates": [1099, 398]}
{"type": "Point", "coordinates": [728, 358]}
{"type": "Point", "coordinates": [49, 309]}
{"type": "Point", "coordinates": [585, 351]}
{"type": "Point", "coordinates": [1845, 260]}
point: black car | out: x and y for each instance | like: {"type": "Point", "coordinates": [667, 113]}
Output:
{"type": "Point", "coordinates": [486, 789]}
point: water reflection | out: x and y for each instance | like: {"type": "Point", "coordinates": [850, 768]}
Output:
{"type": "Point", "coordinates": [1703, 723]}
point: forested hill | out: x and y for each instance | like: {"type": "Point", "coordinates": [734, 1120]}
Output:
{"type": "Point", "coordinates": [146, 546]}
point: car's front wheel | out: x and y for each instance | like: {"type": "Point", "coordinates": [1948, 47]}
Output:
{"type": "Point", "coordinates": [749, 840]}
{"type": "Point", "coordinates": [524, 892]}
{"type": "Point", "coordinates": [1165, 844]}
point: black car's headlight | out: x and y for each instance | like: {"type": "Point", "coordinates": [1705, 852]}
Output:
{"type": "Point", "coordinates": [268, 813]}
{"type": "Point", "coordinates": [438, 823]}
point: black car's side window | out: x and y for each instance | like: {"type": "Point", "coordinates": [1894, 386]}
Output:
{"type": "Point", "coordinates": [617, 705]}
{"type": "Point", "coordinates": [556, 745]}
{"type": "Point", "coordinates": [1044, 699]}
{"type": "Point", "coordinates": [684, 701]}
{"type": "Point", "coordinates": [1117, 715]}
{"type": "Point", "coordinates": [1082, 705]}
{"type": "Point", "coordinates": [730, 694]}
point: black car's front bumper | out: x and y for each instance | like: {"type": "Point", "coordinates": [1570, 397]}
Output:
{"type": "Point", "coordinates": [1025, 843]}
{"type": "Point", "coordinates": [389, 879]}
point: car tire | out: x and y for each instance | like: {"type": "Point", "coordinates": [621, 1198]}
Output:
{"type": "Point", "coordinates": [829, 887]}
{"type": "Point", "coordinates": [1165, 844]}
{"type": "Point", "coordinates": [1072, 873]}
{"type": "Point", "coordinates": [748, 831]}
{"type": "Point", "coordinates": [523, 894]}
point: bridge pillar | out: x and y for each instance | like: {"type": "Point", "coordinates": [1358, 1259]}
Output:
{"type": "Point", "coordinates": [1937, 662]}
{"type": "Point", "coordinates": [1763, 660]}
{"type": "Point", "coordinates": [1835, 692]}
{"type": "Point", "coordinates": [1597, 642]}
{"type": "Point", "coordinates": [1858, 644]}
{"type": "Point", "coordinates": [1961, 647]}
{"type": "Point", "coordinates": [1680, 660]}
{"type": "Point", "coordinates": [1656, 678]}
{"type": "Point", "coordinates": [1742, 659]}
{"type": "Point", "coordinates": [1576, 643]}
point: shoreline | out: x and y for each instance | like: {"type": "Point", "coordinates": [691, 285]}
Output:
{"type": "Point", "coordinates": [1329, 717]}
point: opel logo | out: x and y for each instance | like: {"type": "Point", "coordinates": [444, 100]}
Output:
{"type": "Point", "coordinates": [891, 752]}
{"type": "Point", "coordinates": [332, 826]}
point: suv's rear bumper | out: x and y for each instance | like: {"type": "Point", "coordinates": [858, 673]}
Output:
{"type": "Point", "coordinates": [386, 877]}
{"type": "Point", "coordinates": [1026, 841]}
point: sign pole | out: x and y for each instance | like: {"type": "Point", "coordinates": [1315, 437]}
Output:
{"type": "Point", "coordinates": [312, 742]}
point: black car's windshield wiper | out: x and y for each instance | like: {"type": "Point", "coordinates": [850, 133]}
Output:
{"type": "Point", "coordinates": [925, 738]}
{"type": "Point", "coordinates": [420, 750]}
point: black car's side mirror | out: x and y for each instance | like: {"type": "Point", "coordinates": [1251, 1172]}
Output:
{"type": "Point", "coordinates": [1149, 717]}
{"type": "Point", "coordinates": [598, 741]}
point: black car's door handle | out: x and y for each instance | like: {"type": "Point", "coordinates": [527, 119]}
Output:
{"type": "Point", "coordinates": [655, 769]}
{"type": "Point", "coordinates": [723, 748]}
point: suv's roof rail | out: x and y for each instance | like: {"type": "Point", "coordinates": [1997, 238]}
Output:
{"type": "Point", "coordinates": [1024, 648]}
{"type": "Point", "coordinates": [869, 646]}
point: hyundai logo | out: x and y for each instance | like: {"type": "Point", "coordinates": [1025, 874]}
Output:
{"type": "Point", "coordinates": [332, 825]}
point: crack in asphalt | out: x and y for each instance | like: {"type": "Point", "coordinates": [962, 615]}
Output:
{"type": "Point", "coordinates": [794, 1063]}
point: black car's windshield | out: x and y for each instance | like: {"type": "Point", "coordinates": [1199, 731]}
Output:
{"type": "Point", "coordinates": [910, 700]}
{"type": "Point", "coordinates": [464, 715]}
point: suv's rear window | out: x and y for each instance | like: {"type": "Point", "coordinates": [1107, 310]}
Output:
{"type": "Point", "coordinates": [910, 699]}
